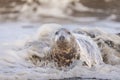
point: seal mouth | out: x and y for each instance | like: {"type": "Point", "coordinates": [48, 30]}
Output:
{"type": "Point", "coordinates": [61, 38]}
{"type": "Point", "coordinates": [62, 44]}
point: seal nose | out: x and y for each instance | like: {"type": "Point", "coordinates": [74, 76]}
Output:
{"type": "Point", "coordinates": [61, 38]}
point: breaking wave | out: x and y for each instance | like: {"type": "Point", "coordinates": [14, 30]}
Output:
{"type": "Point", "coordinates": [55, 10]}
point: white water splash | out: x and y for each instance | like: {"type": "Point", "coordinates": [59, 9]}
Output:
{"type": "Point", "coordinates": [14, 67]}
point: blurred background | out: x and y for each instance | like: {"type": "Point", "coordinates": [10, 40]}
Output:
{"type": "Point", "coordinates": [61, 11]}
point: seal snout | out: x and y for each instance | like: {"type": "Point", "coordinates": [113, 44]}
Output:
{"type": "Point", "coordinates": [61, 38]}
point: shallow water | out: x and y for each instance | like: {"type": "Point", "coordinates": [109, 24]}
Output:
{"type": "Point", "coordinates": [14, 67]}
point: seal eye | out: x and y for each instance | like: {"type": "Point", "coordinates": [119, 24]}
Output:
{"type": "Point", "coordinates": [68, 32]}
{"type": "Point", "coordinates": [56, 33]}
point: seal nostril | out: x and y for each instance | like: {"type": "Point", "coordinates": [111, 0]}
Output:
{"type": "Point", "coordinates": [61, 38]}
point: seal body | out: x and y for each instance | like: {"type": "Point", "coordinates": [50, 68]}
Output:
{"type": "Point", "coordinates": [64, 48]}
